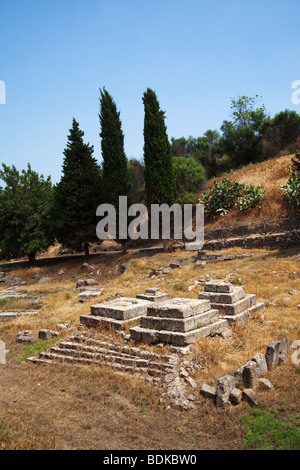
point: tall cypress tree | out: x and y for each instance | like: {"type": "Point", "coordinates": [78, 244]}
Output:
{"type": "Point", "coordinates": [78, 194]}
{"type": "Point", "coordinates": [116, 175]}
{"type": "Point", "coordinates": [159, 173]}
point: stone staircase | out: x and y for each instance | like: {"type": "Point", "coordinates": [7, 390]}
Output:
{"type": "Point", "coordinates": [83, 350]}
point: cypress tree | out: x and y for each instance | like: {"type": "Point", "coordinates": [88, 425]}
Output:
{"type": "Point", "coordinates": [78, 194]}
{"type": "Point", "coordinates": [116, 175]}
{"type": "Point", "coordinates": [159, 173]}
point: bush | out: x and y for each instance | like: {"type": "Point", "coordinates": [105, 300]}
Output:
{"type": "Point", "coordinates": [189, 174]}
{"type": "Point", "coordinates": [227, 195]}
{"type": "Point", "coordinates": [292, 188]}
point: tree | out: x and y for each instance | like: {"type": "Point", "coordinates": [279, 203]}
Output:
{"type": "Point", "coordinates": [159, 173]}
{"type": "Point", "coordinates": [281, 133]}
{"type": "Point", "coordinates": [24, 213]}
{"type": "Point", "coordinates": [78, 193]}
{"type": "Point", "coordinates": [188, 176]}
{"type": "Point", "coordinates": [241, 138]}
{"type": "Point", "coordinates": [136, 170]}
{"type": "Point", "coordinates": [116, 176]}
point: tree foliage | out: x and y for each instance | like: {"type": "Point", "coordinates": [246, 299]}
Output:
{"type": "Point", "coordinates": [116, 177]}
{"type": "Point", "coordinates": [78, 193]}
{"type": "Point", "coordinates": [159, 173]}
{"type": "Point", "coordinates": [24, 213]}
{"type": "Point", "coordinates": [188, 176]}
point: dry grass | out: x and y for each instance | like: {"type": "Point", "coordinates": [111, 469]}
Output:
{"type": "Point", "coordinates": [270, 175]}
{"type": "Point", "coordinates": [46, 407]}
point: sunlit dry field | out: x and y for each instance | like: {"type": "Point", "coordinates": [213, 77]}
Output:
{"type": "Point", "coordinates": [64, 407]}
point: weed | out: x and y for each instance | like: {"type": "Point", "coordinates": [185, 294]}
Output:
{"type": "Point", "coordinates": [264, 432]}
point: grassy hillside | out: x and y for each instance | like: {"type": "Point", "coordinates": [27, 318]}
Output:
{"type": "Point", "coordinates": [270, 175]}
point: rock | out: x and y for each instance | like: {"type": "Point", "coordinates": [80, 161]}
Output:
{"type": "Point", "coordinates": [284, 347]}
{"type": "Point", "coordinates": [183, 372]}
{"type": "Point", "coordinates": [226, 334]}
{"type": "Point", "coordinates": [61, 326]}
{"type": "Point", "coordinates": [36, 277]}
{"type": "Point", "coordinates": [236, 396]}
{"type": "Point", "coordinates": [199, 264]}
{"type": "Point", "coordinates": [88, 268]}
{"type": "Point", "coordinates": [208, 391]}
{"type": "Point", "coordinates": [165, 271]}
{"type": "Point", "coordinates": [265, 384]}
{"type": "Point", "coordinates": [2, 353]}
{"type": "Point", "coordinates": [272, 355]}
{"type": "Point", "coordinates": [23, 337]}
{"type": "Point", "coordinates": [191, 382]}
{"type": "Point", "coordinates": [250, 396]}
{"type": "Point", "coordinates": [250, 374]}
{"type": "Point", "coordinates": [44, 280]}
{"type": "Point", "coordinates": [61, 272]}
{"type": "Point", "coordinates": [47, 334]}
{"type": "Point", "coordinates": [224, 387]}
{"type": "Point", "coordinates": [12, 281]}
{"type": "Point", "coordinates": [286, 299]}
{"type": "Point", "coordinates": [91, 282]}
{"type": "Point", "coordinates": [174, 265]}
{"type": "Point", "coordinates": [294, 292]}
{"type": "Point", "coordinates": [261, 363]}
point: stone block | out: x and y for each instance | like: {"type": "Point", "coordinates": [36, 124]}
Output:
{"type": "Point", "coordinates": [224, 388]}
{"type": "Point", "coordinates": [2, 353]}
{"type": "Point", "coordinates": [220, 298]}
{"type": "Point", "coordinates": [284, 347]}
{"type": "Point", "coordinates": [250, 396]}
{"type": "Point", "coordinates": [250, 374]}
{"type": "Point", "coordinates": [272, 355]}
{"type": "Point", "coordinates": [179, 308]}
{"type": "Point", "coordinates": [208, 391]}
{"type": "Point", "coordinates": [261, 364]}
{"type": "Point", "coordinates": [218, 286]}
{"type": "Point", "coordinates": [153, 295]}
{"type": "Point", "coordinates": [238, 307]}
{"type": "Point", "coordinates": [121, 309]}
{"type": "Point", "coordinates": [180, 325]}
{"type": "Point", "coordinates": [47, 334]}
{"type": "Point", "coordinates": [88, 295]}
{"type": "Point", "coordinates": [236, 396]}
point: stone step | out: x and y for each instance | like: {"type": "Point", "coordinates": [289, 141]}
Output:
{"type": "Point", "coordinates": [236, 308]}
{"type": "Point", "coordinates": [133, 351]}
{"type": "Point", "coordinates": [95, 321]}
{"type": "Point", "coordinates": [58, 355]}
{"type": "Point", "coordinates": [256, 309]}
{"type": "Point", "coordinates": [230, 298]}
{"type": "Point", "coordinates": [176, 338]}
{"type": "Point", "coordinates": [180, 325]}
{"type": "Point", "coordinates": [90, 352]}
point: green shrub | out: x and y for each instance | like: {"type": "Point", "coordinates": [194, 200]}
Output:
{"type": "Point", "coordinates": [292, 188]}
{"type": "Point", "coordinates": [227, 195]}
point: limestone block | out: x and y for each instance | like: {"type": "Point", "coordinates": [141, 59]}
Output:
{"type": "Point", "coordinates": [236, 396]}
{"type": "Point", "coordinates": [284, 347]}
{"type": "Point", "coordinates": [208, 391]}
{"type": "Point", "coordinates": [180, 325]}
{"type": "Point", "coordinates": [220, 298]}
{"type": "Point", "coordinates": [261, 363]}
{"type": "Point", "coordinates": [121, 309]}
{"type": "Point", "coordinates": [250, 374]}
{"type": "Point", "coordinates": [250, 396]}
{"type": "Point", "coordinates": [224, 388]}
{"type": "Point", "coordinates": [218, 286]}
{"type": "Point", "coordinates": [2, 353]}
{"type": "Point", "coordinates": [272, 354]}
{"type": "Point", "coordinates": [179, 308]}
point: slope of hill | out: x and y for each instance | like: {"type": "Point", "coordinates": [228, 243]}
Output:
{"type": "Point", "coordinates": [270, 175]}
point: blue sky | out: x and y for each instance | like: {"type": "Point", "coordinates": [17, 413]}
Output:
{"type": "Point", "coordinates": [196, 55]}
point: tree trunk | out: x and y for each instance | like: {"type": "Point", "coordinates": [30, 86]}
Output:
{"type": "Point", "coordinates": [124, 247]}
{"type": "Point", "coordinates": [86, 250]}
{"type": "Point", "coordinates": [31, 257]}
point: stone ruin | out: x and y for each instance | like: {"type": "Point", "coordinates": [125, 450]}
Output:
{"type": "Point", "coordinates": [116, 313]}
{"type": "Point", "coordinates": [231, 301]}
{"type": "Point", "coordinates": [178, 322]}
